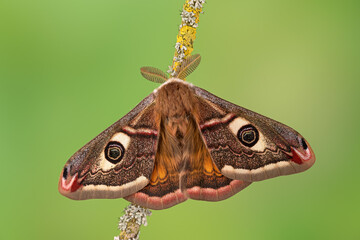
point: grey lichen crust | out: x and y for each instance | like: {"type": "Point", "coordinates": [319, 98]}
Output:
{"type": "Point", "coordinates": [130, 223]}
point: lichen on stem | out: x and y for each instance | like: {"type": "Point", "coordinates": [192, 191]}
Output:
{"type": "Point", "coordinates": [187, 33]}
{"type": "Point", "coordinates": [130, 223]}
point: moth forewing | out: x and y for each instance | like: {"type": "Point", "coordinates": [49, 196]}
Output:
{"type": "Point", "coordinates": [267, 149]}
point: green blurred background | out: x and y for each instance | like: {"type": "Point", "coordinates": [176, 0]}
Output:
{"type": "Point", "coordinates": [70, 68]}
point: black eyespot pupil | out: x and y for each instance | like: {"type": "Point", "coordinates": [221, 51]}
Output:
{"type": "Point", "coordinates": [303, 143]}
{"type": "Point", "coordinates": [114, 152]}
{"type": "Point", "coordinates": [249, 136]}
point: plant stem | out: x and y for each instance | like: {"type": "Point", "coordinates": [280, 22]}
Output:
{"type": "Point", "coordinates": [187, 33]}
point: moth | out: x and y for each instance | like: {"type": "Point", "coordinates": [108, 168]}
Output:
{"type": "Point", "coordinates": [182, 142]}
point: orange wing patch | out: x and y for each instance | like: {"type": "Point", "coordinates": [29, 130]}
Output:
{"type": "Point", "coordinates": [203, 173]}
{"type": "Point", "coordinates": [209, 166]}
{"type": "Point", "coordinates": [159, 174]}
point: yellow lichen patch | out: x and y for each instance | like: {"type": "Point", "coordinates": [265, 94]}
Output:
{"type": "Point", "coordinates": [176, 65]}
{"type": "Point", "coordinates": [187, 33]}
{"type": "Point", "coordinates": [187, 7]}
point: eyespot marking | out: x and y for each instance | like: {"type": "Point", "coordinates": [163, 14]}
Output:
{"type": "Point", "coordinates": [114, 152]}
{"type": "Point", "coordinates": [242, 126]}
{"type": "Point", "coordinates": [248, 135]}
{"type": "Point", "coordinates": [122, 140]}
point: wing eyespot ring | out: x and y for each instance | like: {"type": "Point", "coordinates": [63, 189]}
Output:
{"type": "Point", "coordinates": [248, 135]}
{"type": "Point", "coordinates": [114, 152]}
